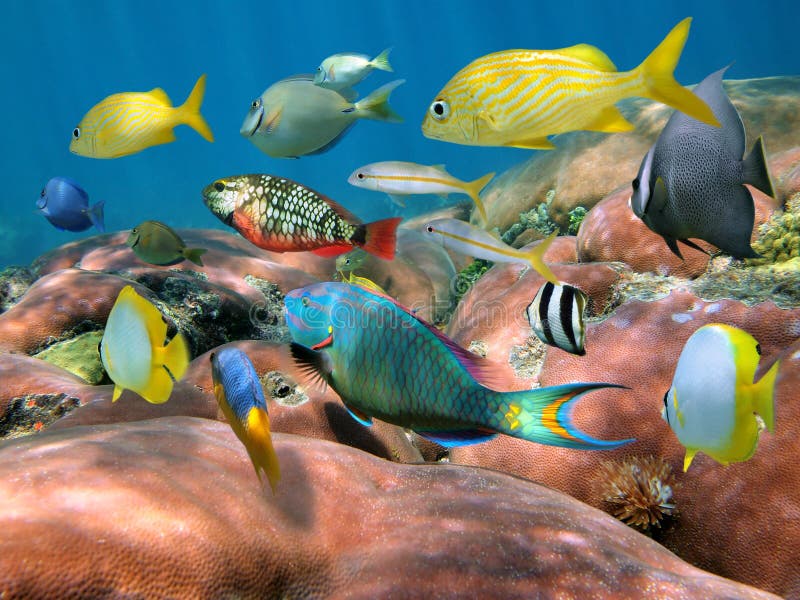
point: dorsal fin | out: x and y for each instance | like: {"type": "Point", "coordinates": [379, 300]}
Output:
{"type": "Point", "coordinates": [160, 96]}
{"type": "Point", "coordinates": [590, 54]}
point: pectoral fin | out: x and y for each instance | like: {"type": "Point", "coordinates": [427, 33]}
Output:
{"type": "Point", "coordinates": [315, 364]}
{"type": "Point", "coordinates": [541, 143]}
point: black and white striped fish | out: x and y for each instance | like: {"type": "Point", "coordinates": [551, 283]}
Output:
{"type": "Point", "coordinates": [556, 316]}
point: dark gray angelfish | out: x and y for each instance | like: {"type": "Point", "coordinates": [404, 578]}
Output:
{"type": "Point", "coordinates": [690, 183]}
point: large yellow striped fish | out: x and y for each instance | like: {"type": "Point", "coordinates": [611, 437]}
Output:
{"type": "Point", "coordinates": [519, 97]}
{"type": "Point", "coordinates": [129, 122]}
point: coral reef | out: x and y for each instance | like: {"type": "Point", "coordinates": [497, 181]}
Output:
{"type": "Point", "coordinates": [779, 238]}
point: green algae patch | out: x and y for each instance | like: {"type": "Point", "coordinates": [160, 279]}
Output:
{"type": "Point", "coordinates": [79, 355]}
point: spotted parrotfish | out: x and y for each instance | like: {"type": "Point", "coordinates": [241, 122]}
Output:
{"type": "Point", "coordinates": [241, 398]}
{"type": "Point", "coordinates": [691, 182]}
{"type": "Point", "coordinates": [282, 215]}
{"type": "Point", "coordinates": [387, 363]}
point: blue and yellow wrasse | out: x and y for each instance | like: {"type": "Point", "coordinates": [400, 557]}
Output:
{"type": "Point", "coordinates": [129, 122]}
{"type": "Point", "coordinates": [519, 97]}
{"type": "Point", "coordinates": [239, 394]}
{"type": "Point", "coordinates": [387, 363]}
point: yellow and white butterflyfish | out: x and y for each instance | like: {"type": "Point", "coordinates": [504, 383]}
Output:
{"type": "Point", "coordinates": [713, 405]}
{"type": "Point", "coordinates": [129, 122]}
{"type": "Point", "coordinates": [133, 352]}
{"type": "Point", "coordinates": [519, 97]}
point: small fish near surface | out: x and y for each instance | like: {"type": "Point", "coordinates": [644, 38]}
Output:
{"type": "Point", "coordinates": [556, 316]}
{"type": "Point", "coordinates": [158, 244]}
{"type": "Point", "coordinates": [387, 363]}
{"type": "Point", "coordinates": [294, 117]}
{"type": "Point", "coordinates": [713, 401]}
{"type": "Point", "coordinates": [133, 352]}
{"type": "Point", "coordinates": [519, 97]}
{"type": "Point", "coordinates": [464, 238]}
{"type": "Point", "coordinates": [398, 178]}
{"type": "Point", "coordinates": [65, 204]}
{"type": "Point", "coordinates": [691, 182]}
{"type": "Point", "coordinates": [129, 122]}
{"type": "Point", "coordinates": [364, 282]}
{"type": "Point", "coordinates": [346, 69]}
{"type": "Point", "coordinates": [240, 396]}
{"type": "Point", "coordinates": [281, 215]}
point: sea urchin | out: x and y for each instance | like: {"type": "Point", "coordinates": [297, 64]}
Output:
{"type": "Point", "coordinates": [638, 490]}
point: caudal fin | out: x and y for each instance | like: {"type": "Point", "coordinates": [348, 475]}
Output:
{"type": "Point", "coordinates": [376, 105]}
{"type": "Point", "coordinates": [190, 110]}
{"type": "Point", "coordinates": [194, 254]}
{"type": "Point", "coordinates": [473, 189]}
{"type": "Point", "coordinates": [380, 237]}
{"type": "Point", "coordinates": [659, 81]}
{"type": "Point", "coordinates": [176, 356]}
{"type": "Point", "coordinates": [382, 61]}
{"type": "Point", "coordinates": [258, 443]}
{"type": "Point", "coordinates": [764, 396]}
{"type": "Point", "coordinates": [755, 169]}
{"type": "Point", "coordinates": [544, 416]}
{"type": "Point", "coordinates": [536, 259]}
{"type": "Point", "coordinates": [95, 215]}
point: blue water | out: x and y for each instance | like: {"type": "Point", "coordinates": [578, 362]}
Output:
{"type": "Point", "coordinates": [60, 58]}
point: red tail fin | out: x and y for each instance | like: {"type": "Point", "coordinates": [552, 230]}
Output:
{"type": "Point", "coordinates": [380, 237]}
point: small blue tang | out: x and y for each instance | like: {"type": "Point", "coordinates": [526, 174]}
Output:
{"type": "Point", "coordinates": [66, 205]}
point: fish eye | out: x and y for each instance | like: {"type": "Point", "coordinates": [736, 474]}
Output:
{"type": "Point", "coordinates": [219, 186]}
{"type": "Point", "coordinates": [758, 349]}
{"type": "Point", "coordinates": [44, 191]}
{"type": "Point", "coordinates": [256, 103]}
{"type": "Point", "coordinates": [360, 176]}
{"type": "Point", "coordinates": [305, 301]}
{"type": "Point", "coordinates": [134, 230]}
{"type": "Point", "coordinates": [76, 133]}
{"type": "Point", "coordinates": [635, 184]}
{"type": "Point", "coordinates": [666, 405]}
{"type": "Point", "coordinates": [429, 229]}
{"type": "Point", "coordinates": [440, 110]}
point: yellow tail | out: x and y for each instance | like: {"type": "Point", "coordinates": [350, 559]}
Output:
{"type": "Point", "coordinates": [190, 110]}
{"type": "Point", "coordinates": [176, 356]}
{"type": "Point", "coordinates": [764, 398]}
{"type": "Point", "coordinates": [659, 81]}
{"type": "Point", "coordinates": [259, 446]}
{"type": "Point", "coordinates": [536, 259]}
{"type": "Point", "coordinates": [473, 190]}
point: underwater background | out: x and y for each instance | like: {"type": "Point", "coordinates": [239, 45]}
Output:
{"type": "Point", "coordinates": [60, 58]}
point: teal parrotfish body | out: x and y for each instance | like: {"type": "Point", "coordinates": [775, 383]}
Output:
{"type": "Point", "coordinates": [691, 182]}
{"type": "Point", "coordinates": [713, 401]}
{"type": "Point", "coordinates": [241, 398]}
{"type": "Point", "coordinates": [387, 363]}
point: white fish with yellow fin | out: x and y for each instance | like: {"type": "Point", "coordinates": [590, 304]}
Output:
{"type": "Point", "coordinates": [464, 238]}
{"type": "Point", "coordinates": [241, 398]}
{"type": "Point", "coordinates": [129, 122]}
{"type": "Point", "coordinates": [346, 69]}
{"type": "Point", "coordinates": [713, 402]}
{"type": "Point", "coordinates": [519, 97]}
{"type": "Point", "coordinates": [399, 178]}
{"type": "Point", "coordinates": [133, 352]}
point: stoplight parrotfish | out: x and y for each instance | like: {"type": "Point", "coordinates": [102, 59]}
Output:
{"type": "Point", "coordinates": [387, 363]}
{"type": "Point", "coordinates": [519, 97]}
{"type": "Point", "coordinates": [282, 215]}
{"type": "Point", "coordinates": [713, 401]}
{"type": "Point", "coordinates": [241, 398]}
{"type": "Point", "coordinates": [691, 182]}
{"type": "Point", "coordinates": [133, 352]}
{"type": "Point", "coordinates": [129, 122]}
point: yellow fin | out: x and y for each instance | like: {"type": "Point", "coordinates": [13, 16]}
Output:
{"type": "Point", "coordinates": [259, 446]}
{"type": "Point", "coordinates": [160, 95]}
{"type": "Point", "coordinates": [763, 397]}
{"type": "Point", "coordinates": [367, 283]}
{"type": "Point", "coordinates": [687, 460]}
{"type": "Point", "coordinates": [176, 356]}
{"type": "Point", "coordinates": [473, 189]}
{"type": "Point", "coordinates": [541, 143]}
{"type": "Point", "coordinates": [610, 120]}
{"type": "Point", "coordinates": [536, 258]}
{"type": "Point", "coordinates": [590, 54]}
{"type": "Point", "coordinates": [190, 110]}
{"type": "Point", "coordinates": [659, 82]}
{"type": "Point", "coordinates": [117, 393]}
{"type": "Point", "coordinates": [159, 386]}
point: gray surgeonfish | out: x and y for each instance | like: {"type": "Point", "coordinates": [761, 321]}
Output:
{"type": "Point", "coordinates": [556, 317]}
{"type": "Point", "coordinates": [691, 182]}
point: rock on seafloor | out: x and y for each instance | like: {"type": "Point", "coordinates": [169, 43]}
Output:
{"type": "Point", "coordinates": [172, 508]}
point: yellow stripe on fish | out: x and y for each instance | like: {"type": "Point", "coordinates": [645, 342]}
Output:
{"type": "Point", "coordinates": [519, 97]}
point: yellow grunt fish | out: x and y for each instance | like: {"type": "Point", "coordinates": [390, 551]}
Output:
{"type": "Point", "coordinates": [129, 122]}
{"type": "Point", "coordinates": [519, 97]}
